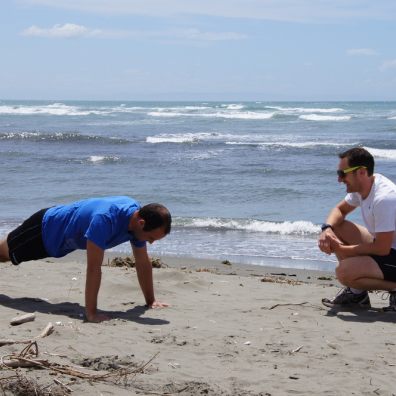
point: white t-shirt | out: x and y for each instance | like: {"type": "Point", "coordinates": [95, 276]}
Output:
{"type": "Point", "coordinates": [379, 208]}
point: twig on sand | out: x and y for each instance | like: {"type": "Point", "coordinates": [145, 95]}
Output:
{"type": "Point", "coordinates": [286, 304]}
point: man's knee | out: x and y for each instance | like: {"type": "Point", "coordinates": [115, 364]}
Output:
{"type": "Point", "coordinates": [343, 273]}
{"type": "Point", "coordinates": [4, 253]}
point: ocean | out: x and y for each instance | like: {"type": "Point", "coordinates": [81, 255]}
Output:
{"type": "Point", "coordinates": [248, 182]}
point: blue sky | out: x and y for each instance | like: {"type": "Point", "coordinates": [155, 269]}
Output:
{"type": "Point", "coordinates": [198, 49]}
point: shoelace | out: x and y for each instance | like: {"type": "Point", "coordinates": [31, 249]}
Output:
{"type": "Point", "coordinates": [384, 294]}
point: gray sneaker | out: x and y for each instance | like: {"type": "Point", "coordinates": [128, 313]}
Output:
{"type": "Point", "coordinates": [392, 303]}
{"type": "Point", "coordinates": [346, 298]}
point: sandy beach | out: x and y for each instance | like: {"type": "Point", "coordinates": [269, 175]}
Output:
{"type": "Point", "coordinates": [230, 330]}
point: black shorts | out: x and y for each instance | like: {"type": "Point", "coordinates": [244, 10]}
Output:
{"type": "Point", "coordinates": [26, 242]}
{"type": "Point", "coordinates": [387, 265]}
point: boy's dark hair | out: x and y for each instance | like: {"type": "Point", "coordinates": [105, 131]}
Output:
{"type": "Point", "coordinates": [358, 156]}
{"type": "Point", "coordinates": [156, 216]}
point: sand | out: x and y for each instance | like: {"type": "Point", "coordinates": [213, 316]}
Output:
{"type": "Point", "coordinates": [226, 333]}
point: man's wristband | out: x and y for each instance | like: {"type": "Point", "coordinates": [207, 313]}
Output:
{"type": "Point", "coordinates": [325, 226]}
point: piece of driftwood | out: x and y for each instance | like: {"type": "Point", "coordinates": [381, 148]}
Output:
{"type": "Point", "coordinates": [49, 329]}
{"type": "Point", "coordinates": [29, 317]}
{"type": "Point", "coordinates": [46, 332]}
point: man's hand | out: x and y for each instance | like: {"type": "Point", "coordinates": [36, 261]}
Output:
{"type": "Point", "coordinates": [328, 241]}
{"type": "Point", "coordinates": [97, 317]}
{"type": "Point", "coordinates": [158, 304]}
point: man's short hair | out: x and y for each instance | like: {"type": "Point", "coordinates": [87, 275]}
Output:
{"type": "Point", "coordinates": [156, 216]}
{"type": "Point", "coordinates": [358, 156]}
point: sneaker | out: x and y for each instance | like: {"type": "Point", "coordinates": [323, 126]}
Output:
{"type": "Point", "coordinates": [392, 303]}
{"type": "Point", "coordinates": [346, 298]}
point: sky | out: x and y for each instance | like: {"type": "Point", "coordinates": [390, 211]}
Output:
{"type": "Point", "coordinates": [283, 50]}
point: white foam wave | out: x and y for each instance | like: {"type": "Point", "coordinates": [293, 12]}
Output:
{"type": "Point", "coordinates": [59, 109]}
{"type": "Point", "coordinates": [249, 115]}
{"type": "Point", "coordinates": [175, 138]}
{"type": "Point", "coordinates": [284, 228]}
{"type": "Point", "coordinates": [306, 109]}
{"type": "Point", "coordinates": [392, 118]}
{"type": "Point", "coordinates": [101, 158]}
{"type": "Point", "coordinates": [234, 106]}
{"type": "Point", "coordinates": [317, 117]}
{"type": "Point", "coordinates": [382, 153]}
{"type": "Point", "coordinates": [289, 144]}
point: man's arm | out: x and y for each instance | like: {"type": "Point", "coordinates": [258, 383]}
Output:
{"type": "Point", "coordinates": [144, 271]}
{"type": "Point", "coordinates": [380, 246]}
{"type": "Point", "coordinates": [336, 216]}
{"type": "Point", "coordinates": [92, 284]}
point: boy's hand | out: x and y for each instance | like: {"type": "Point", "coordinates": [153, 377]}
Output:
{"type": "Point", "coordinates": [158, 304]}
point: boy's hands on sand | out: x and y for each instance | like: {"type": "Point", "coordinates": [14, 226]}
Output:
{"type": "Point", "coordinates": [158, 304]}
{"type": "Point", "coordinates": [97, 317]}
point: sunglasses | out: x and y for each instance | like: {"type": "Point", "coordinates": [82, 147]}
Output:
{"type": "Point", "coordinates": [343, 173]}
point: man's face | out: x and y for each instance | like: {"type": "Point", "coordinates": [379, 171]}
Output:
{"type": "Point", "coordinates": [350, 179]}
{"type": "Point", "coordinates": [150, 236]}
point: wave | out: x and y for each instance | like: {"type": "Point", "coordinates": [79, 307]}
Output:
{"type": "Point", "coordinates": [102, 159]}
{"type": "Point", "coordinates": [306, 109]}
{"type": "Point", "coordinates": [298, 228]}
{"type": "Point", "coordinates": [60, 137]}
{"type": "Point", "coordinates": [301, 145]}
{"type": "Point", "coordinates": [249, 115]}
{"type": "Point", "coordinates": [58, 109]}
{"type": "Point", "coordinates": [179, 138]}
{"type": "Point", "coordinates": [317, 117]}
{"type": "Point", "coordinates": [382, 153]}
{"type": "Point", "coordinates": [242, 140]}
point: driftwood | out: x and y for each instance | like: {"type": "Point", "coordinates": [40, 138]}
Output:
{"type": "Point", "coordinates": [47, 331]}
{"type": "Point", "coordinates": [28, 358]}
{"type": "Point", "coordinates": [29, 317]}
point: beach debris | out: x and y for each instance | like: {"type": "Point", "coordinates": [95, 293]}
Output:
{"type": "Point", "coordinates": [282, 274]}
{"type": "Point", "coordinates": [286, 304]}
{"type": "Point", "coordinates": [129, 262]}
{"type": "Point", "coordinates": [297, 349]}
{"type": "Point", "coordinates": [327, 278]}
{"type": "Point", "coordinates": [174, 365]}
{"type": "Point", "coordinates": [226, 262]}
{"type": "Point", "coordinates": [247, 343]}
{"type": "Point", "coordinates": [28, 357]}
{"type": "Point", "coordinates": [29, 317]}
{"type": "Point", "coordinates": [19, 384]}
{"type": "Point", "coordinates": [46, 332]}
{"type": "Point", "coordinates": [331, 345]}
{"type": "Point", "coordinates": [211, 270]}
{"type": "Point", "coordinates": [273, 279]}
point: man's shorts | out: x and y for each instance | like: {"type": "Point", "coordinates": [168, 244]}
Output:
{"type": "Point", "coordinates": [26, 242]}
{"type": "Point", "coordinates": [387, 265]}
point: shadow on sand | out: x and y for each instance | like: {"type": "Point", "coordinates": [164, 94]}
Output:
{"type": "Point", "coordinates": [75, 310]}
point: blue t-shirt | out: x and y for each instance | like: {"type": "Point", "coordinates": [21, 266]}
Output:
{"type": "Point", "coordinates": [103, 221]}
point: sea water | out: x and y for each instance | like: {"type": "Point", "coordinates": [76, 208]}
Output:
{"type": "Point", "coordinates": [248, 182]}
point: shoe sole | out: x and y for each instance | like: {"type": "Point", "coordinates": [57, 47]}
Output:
{"type": "Point", "coordinates": [327, 303]}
